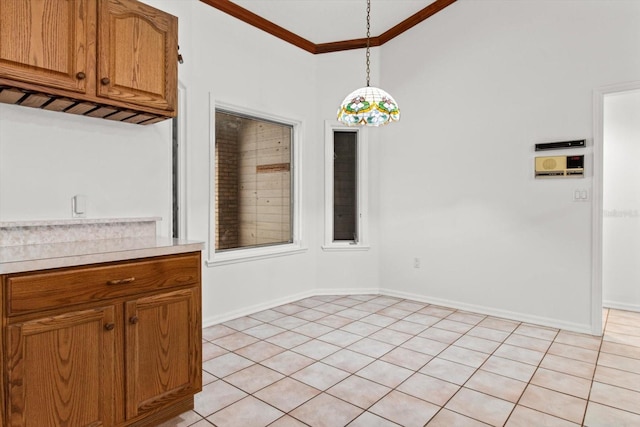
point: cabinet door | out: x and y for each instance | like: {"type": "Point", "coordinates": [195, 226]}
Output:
{"type": "Point", "coordinates": [47, 42]}
{"type": "Point", "coordinates": [138, 54]}
{"type": "Point", "coordinates": [61, 369]}
{"type": "Point", "coordinates": [163, 342]}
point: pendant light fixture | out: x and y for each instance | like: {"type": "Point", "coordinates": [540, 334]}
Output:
{"type": "Point", "coordinates": [368, 106]}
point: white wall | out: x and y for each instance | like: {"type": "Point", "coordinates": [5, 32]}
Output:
{"type": "Point", "coordinates": [338, 75]}
{"type": "Point", "coordinates": [46, 158]}
{"type": "Point", "coordinates": [621, 201]}
{"type": "Point", "coordinates": [478, 85]}
{"type": "Point", "coordinates": [124, 170]}
{"type": "Point", "coordinates": [239, 65]}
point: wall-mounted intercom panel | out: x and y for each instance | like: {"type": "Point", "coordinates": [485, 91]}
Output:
{"type": "Point", "coordinates": [580, 143]}
{"type": "Point", "coordinates": [559, 167]}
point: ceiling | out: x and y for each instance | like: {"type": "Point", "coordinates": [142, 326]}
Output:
{"type": "Point", "coordinates": [321, 26]}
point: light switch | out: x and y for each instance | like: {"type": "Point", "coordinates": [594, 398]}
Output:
{"type": "Point", "coordinates": [580, 195]}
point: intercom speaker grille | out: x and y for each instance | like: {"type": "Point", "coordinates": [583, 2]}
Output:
{"type": "Point", "coordinates": [549, 164]}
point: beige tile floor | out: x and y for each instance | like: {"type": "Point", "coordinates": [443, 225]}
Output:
{"type": "Point", "coordinates": [369, 360]}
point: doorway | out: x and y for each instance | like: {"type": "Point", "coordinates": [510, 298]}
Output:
{"type": "Point", "coordinates": [616, 203]}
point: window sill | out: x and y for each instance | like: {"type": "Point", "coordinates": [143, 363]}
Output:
{"type": "Point", "coordinates": [345, 248]}
{"type": "Point", "coordinates": [246, 255]}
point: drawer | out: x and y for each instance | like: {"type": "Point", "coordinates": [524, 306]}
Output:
{"type": "Point", "coordinates": [58, 288]}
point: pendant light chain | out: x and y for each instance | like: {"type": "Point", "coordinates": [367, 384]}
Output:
{"type": "Point", "coordinates": [368, 39]}
{"type": "Point", "coordinates": [369, 105]}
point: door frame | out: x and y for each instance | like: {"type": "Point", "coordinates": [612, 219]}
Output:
{"type": "Point", "coordinates": [597, 198]}
{"type": "Point", "coordinates": [179, 167]}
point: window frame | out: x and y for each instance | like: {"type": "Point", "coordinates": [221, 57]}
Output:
{"type": "Point", "coordinates": [261, 252]}
{"type": "Point", "coordinates": [362, 193]}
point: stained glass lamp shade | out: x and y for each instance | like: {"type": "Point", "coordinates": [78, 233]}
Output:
{"type": "Point", "coordinates": [368, 106]}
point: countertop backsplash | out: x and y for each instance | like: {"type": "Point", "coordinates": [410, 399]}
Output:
{"type": "Point", "coordinates": [37, 245]}
{"type": "Point", "coordinates": [20, 233]}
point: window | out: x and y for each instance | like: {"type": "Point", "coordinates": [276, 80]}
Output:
{"type": "Point", "coordinates": [345, 188]}
{"type": "Point", "coordinates": [255, 211]}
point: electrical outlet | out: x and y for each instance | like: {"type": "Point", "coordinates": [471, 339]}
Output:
{"type": "Point", "coordinates": [416, 263]}
{"type": "Point", "coordinates": [79, 206]}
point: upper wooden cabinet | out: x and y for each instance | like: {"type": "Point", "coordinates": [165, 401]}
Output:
{"type": "Point", "coordinates": [115, 59]}
{"type": "Point", "coordinates": [46, 42]}
{"type": "Point", "coordinates": [138, 51]}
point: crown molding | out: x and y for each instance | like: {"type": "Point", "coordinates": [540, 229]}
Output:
{"type": "Point", "coordinates": [415, 19]}
{"type": "Point", "coordinates": [275, 30]}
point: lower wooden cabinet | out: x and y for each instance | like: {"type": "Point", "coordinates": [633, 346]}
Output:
{"type": "Point", "coordinates": [162, 357]}
{"type": "Point", "coordinates": [61, 369]}
{"type": "Point", "coordinates": [128, 353]}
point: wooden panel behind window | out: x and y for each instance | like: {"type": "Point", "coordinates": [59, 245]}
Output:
{"type": "Point", "coordinates": [253, 182]}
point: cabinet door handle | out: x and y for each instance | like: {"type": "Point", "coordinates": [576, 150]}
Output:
{"type": "Point", "coordinates": [109, 326]}
{"type": "Point", "coordinates": [105, 81]}
{"type": "Point", "coordinates": [121, 281]}
{"type": "Point", "coordinates": [133, 320]}
{"type": "Point", "coordinates": [81, 76]}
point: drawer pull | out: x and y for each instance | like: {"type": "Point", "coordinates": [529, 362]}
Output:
{"type": "Point", "coordinates": [133, 320]}
{"type": "Point", "coordinates": [121, 281]}
{"type": "Point", "coordinates": [109, 326]}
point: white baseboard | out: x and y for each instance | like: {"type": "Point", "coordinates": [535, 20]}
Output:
{"type": "Point", "coordinates": [245, 311]}
{"type": "Point", "coordinates": [354, 291]}
{"type": "Point", "coordinates": [506, 314]}
{"type": "Point", "coordinates": [621, 306]}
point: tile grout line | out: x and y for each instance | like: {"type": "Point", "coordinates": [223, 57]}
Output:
{"type": "Point", "coordinates": [289, 375]}
{"type": "Point", "coordinates": [412, 335]}
{"type": "Point", "coordinates": [379, 358]}
{"type": "Point", "coordinates": [473, 325]}
{"type": "Point", "coordinates": [529, 382]}
{"type": "Point", "coordinates": [595, 368]}
{"type": "Point", "coordinates": [602, 340]}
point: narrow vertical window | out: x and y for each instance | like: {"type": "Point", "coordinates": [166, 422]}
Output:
{"type": "Point", "coordinates": [345, 186]}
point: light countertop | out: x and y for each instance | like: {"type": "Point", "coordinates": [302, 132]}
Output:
{"type": "Point", "coordinates": [22, 258]}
